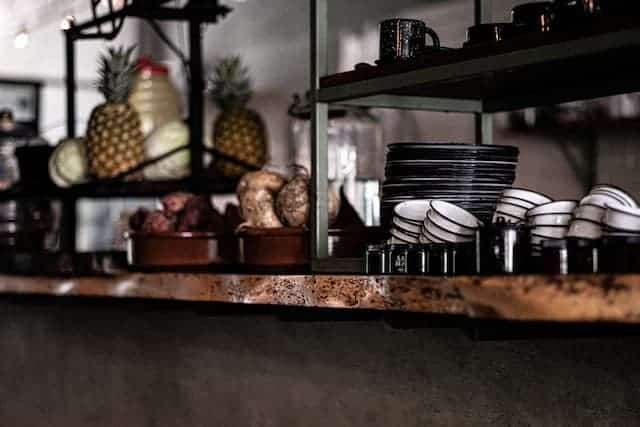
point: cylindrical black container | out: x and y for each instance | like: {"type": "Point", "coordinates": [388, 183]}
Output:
{"type": "Point", "coordinates": [375, 259]}
{"type": "Point", "coordinates": [555, 257]}
{"type": "Point", "coordinates": [584, 255]}
{"type": "Point", "coordinates": [620, 254]}
{"type": "Point", "coordinates": [502, 248]}
{"type": "Point", "coordinates": [448, 259]}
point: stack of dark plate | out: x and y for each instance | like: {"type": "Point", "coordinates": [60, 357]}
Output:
{"type": "Point", "coordinates": [470, 176]}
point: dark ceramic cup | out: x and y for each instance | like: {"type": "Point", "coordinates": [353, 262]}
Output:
{"type": "Point", "coordinates": [488, 33]}
{"type": "Point", "coordinates": [532, 17]}
{"type": "Point", "coordinates": [404, 39]}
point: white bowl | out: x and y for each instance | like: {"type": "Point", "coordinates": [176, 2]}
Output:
{"type": "Point", "coordinates": [526, 195]}
{"type": "Point", "coordinates": [600, 199]}
{"type": "Point", "coordinates": [406, 226]}
{"type": "Point", "coordinates": [557, 207]}
{"type": "Point", "coordinates": [402, 236]}
{"type": "Point", "coordinates": [445, 236]}
{"type": "Point", "coordinates": [455, 214]}
{"type": "Point", "coordinates": [550, 232]}
{"type": "Point", "coordinates": [413, 211]}
{"type": "Point", "coordinates": [513, 210]}
{"type": "Point", "coordinates": [501, 216]}
{"type": "Point", "coordinates": [445, 224]}
{"type": "Point", "coordinates": [623, 201]}
{"type": "Point", "coordinates": [517, 202]}
{"type": "Point", "coordinates": [395, 241]}
{"type": "Point", "coordinates": [431, 238]}
{"type": "Point", "coordinates": [589, 212]}
{"type": "Point", "coordinates": [585, 229]}
{"type": "Point", "coordinates": [424, 240]}
{"type": "Point", "coordinates": [628, 198]}
{"type": "Point", "coordinates": [550, 219]}
{"type": "Point", "coordinates": [622, 218]}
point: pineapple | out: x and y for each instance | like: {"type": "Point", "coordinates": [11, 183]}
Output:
{"type": "Point", "coordinates": [238, 131]}
{"type": "Point", "coordinates": [115, 142]}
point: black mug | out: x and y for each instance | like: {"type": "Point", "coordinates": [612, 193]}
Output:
{"type": "Point", "coordinates": [404, 39]}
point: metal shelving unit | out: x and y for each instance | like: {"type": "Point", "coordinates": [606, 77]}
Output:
{"type": "Point", "coordinates": [107, 27]}
{"type": "Point", "coordinates": [539, 70]}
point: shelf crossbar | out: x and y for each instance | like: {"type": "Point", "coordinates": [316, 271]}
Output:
{"type": "Point", "coordinates": [629, 38]}
{"type": "Point", "coordinates": [448, 105]}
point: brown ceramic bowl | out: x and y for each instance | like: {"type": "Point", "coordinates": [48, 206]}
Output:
{"type": "Point", "coordinates": [289, 246]}
{"type": "Point", "coordinates": [179, 249]}
{"type": "Point", "coordinates": [285, 246]}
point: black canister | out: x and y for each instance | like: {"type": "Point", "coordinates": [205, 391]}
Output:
{"type": "Point", "coordinates": [375, 259]}
{"type": "Point", "coordinates": [555, 257]}
{"type": "Point", "coordinates": [620, 254]}
{"type": "Point", "coordinates": [584, 255]}
{"type": "Point", "coordinates": [404, 259]}
{"type": "Point", "coordinates": [502, 248]}
{"type": "Point", "coordinates": [450, 259]}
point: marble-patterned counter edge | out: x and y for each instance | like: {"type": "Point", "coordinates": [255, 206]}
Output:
{"type": "Point", "coordinates": [427, 295]}
{"type": "Point", "coordinates": [588, 298]}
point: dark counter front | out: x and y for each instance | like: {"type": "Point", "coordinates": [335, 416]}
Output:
{"type": "Point", "coordinates": [74, 362]}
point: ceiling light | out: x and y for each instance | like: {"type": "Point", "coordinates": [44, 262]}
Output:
{"type": "Point", "coordinates": [22, 39]}
{"type": "Point", "coordinates": [67, 22]}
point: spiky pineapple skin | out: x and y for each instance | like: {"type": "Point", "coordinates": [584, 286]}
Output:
{"type": "Point", "coordinates": [115, 142]}
{"type": "Point", "coordinates": [240, 133]}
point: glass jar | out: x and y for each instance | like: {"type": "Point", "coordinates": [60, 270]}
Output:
{"type": "Point", "coordinates": [355, 153]}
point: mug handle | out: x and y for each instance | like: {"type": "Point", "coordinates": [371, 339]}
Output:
{"type": "Point", "coordinates": [434, 37]}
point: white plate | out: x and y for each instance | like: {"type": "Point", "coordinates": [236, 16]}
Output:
{"type": "Point", "coordinates": [550, 232]}
{"type": "Point", "coordinates": [622, 218]}
{"type": "Point", "coordinates": [590, 212]}
{"type": "Point", "coordinates": [514, 211]}
{"type": "Point", "coordinates": [628, 198]}
{"type": "Point", "coordinates": [406, 226]}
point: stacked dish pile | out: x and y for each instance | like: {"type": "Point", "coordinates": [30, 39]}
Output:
{"type": "Point", "coordinates": [589, 217]}
{"type": "Point", "coordinates": [407, 221]}
{"type": "Point", "coordinates": [448, 223]}
{"type": "Point", "coordinates": [470, 176]}
{"type": "Point", "coordinates": [514, 203]}
{"type": "Point", "coordinates": [549, 221]}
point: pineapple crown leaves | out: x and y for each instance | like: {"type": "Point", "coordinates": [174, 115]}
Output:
{"type": "Point", "coordinates": [116, 72]}
{"type": "Point", "coordinates": [230, 83]}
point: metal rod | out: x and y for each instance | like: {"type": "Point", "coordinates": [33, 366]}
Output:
{"type": "Point", "coordinates": [484, 128]}
{"type": "Point", "coordinates": [196, 102]}
{"type": "Point", "coordinates": [482, 11]}
{"type": "Point", "coordinates": [319, 124]}
{"type": "Point", "coordinates": [71, 84]}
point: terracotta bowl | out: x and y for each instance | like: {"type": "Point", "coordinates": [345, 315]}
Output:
{"type": "Point", "coordinates": [179, 249]}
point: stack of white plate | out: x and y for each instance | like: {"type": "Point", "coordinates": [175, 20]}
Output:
{"type": "Point", "coordinates": [588, 222]}
{"type": "Point", "coordinates": [448, 223]}
{"type": "Point", "coordinates": [514, 203]}
{"type": "Point", "coordinates": [407, 221]}
{"type": "Point", "coordinates": [549, 222]}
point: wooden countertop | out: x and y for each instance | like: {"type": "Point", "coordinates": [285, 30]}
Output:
{"type": "Point", "coordinates": [603, 298]}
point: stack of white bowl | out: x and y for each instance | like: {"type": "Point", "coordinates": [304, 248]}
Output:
{"type": "Point", "coordinates": [514, 203]}
{"type": "Point", "coordinates": [588, 222]}
{"type": "Point", "coordinates": [407, 221]}
{"type": "Point", "coordinates": [622, 221]}
{"type": "Point", "coordinates": [448, 223]}
{"type": "Point", "coordinates": [549, 221]}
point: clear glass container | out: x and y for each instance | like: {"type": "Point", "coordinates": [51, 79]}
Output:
{"type": "Point", "coordinates": [355, 153]}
